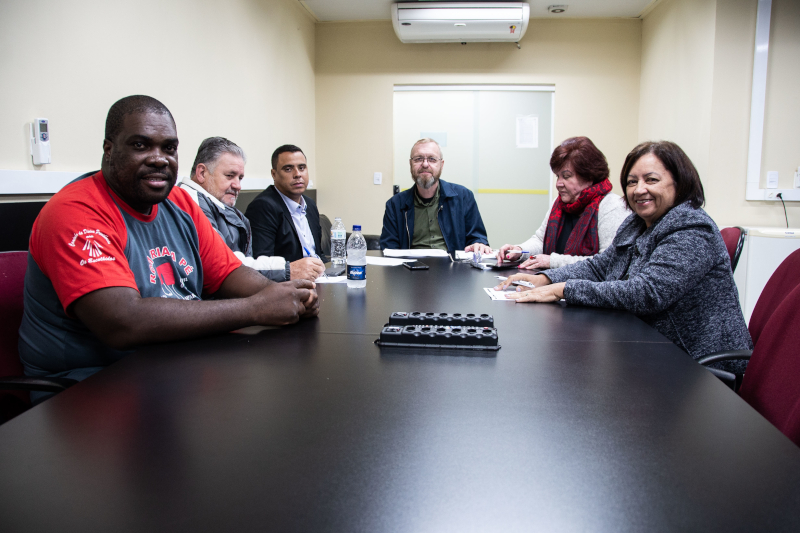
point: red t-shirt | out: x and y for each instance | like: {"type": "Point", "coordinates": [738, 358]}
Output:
{"type": "Point", "coordinates": [86, 238]}
{"type": "Point", "coordinates": [80, 241]}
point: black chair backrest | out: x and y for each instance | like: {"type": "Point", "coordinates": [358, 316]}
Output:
{"type": "Point", "coordinates": [12, 280]}
{"type": "Point", "coordinates": [373, 241]}
{"type": "Point", "coordinates": [325, 240]}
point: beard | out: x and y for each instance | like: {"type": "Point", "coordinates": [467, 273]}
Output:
{"type": "Point", "coordinates": [426, 182]}
{"type": "Point", "coordinates": [235, 196]}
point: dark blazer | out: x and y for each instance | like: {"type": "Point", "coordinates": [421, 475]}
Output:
{"type": "Point", "coordinates": [273, 228]}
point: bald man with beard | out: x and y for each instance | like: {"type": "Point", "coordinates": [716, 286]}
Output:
{"type": "Point", "coordinates": [434, 213]}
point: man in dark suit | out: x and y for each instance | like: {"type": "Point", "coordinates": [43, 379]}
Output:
{"type": "Point", "coordinates": [284, 221]}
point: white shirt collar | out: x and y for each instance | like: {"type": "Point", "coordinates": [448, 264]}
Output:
{"type": "Point", "coordinates": [199, 188]}
{"type": "Point", "coordinates": [292, 205]}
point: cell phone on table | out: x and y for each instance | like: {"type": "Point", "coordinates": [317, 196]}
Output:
{"type": "Point", "coordinates": [333, 271]}
{"type": "Point", "coordinates": [415, 265]}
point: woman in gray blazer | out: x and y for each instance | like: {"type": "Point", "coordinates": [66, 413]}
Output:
{"type": "Point", "coordinates": [667, 264]}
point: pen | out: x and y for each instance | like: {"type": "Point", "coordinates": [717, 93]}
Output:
{"type": "Point", "coordinates": [517, 282]}
{"type": "Point", "coordinates": [309, 254]}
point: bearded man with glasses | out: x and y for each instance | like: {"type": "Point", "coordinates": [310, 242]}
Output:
{"type": "Point", "coordinates": [434, 213]}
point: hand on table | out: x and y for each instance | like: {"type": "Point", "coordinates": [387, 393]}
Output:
{"type": "Point", "coordinates": [479, 247]}
{"type": "Point", "coordinates": [509, 252]}
{"type": "Point", "coordinates": [309, 268]}
{"type": "Point", "coordinates": [538, 280]}
{"type": "Point", "coordinates": [284, 303]}
{"type": "Point", "coordinates": [549, 293]}
{"type": "Point", "coordinates": [312, 302]}
{"type": "Point", "coordinates": [536, 262]}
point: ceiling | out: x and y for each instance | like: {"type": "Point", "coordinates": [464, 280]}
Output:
{"type": "Point", "coordinates": [339, 10]}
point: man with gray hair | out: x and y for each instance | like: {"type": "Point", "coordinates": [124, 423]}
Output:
{"type": "Point", "coordinates": [434, 213]}
{"type": "Point", "coordinates": [214, 183]}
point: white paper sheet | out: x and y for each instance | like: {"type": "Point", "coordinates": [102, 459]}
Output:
{"type": "Point", "coordinates": [523, 283]}
{"type": "Point", "coordinates": [528, 131]}
{"type": "Point", "coordinates": [331, 279]}
{"type": "Point", "coordinates": [461, 254]}
{"type": "Point", "coordinates": [385, 261]}
{"type": "Point", "coordinates": [499, 296]}
{"type": "Point", "coordinates": [421, 252]}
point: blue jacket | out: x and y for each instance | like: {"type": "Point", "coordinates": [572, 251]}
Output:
{"type": "Point", "coordinates": [459, 219]}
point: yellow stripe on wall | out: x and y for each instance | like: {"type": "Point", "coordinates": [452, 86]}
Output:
{"type": "Point", "coordinates": [513, 191]}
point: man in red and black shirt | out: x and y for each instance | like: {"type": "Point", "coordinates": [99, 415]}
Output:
{"type": "Point", "coordinates": [120, 258]}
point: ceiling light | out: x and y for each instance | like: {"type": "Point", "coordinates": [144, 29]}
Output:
{"type": "Point", "coordinates": [557, 9]}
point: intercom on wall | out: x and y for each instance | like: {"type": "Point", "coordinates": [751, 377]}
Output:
{"type": "Point", "coordinates": [40, 141]}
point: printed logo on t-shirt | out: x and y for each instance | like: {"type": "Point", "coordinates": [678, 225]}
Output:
{"type": "Point", "coordinates": [93, 243]}
{"type": "Point", "coordinates": [166, 271]}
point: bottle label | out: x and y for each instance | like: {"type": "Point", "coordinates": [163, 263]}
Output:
{"type": "Point", "coordinates": [357, 272]}
{"type": "Point", "coordinates": [338, 234]}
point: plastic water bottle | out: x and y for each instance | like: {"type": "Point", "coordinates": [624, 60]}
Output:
{"type": "Point", "coordinates": [356, 260]}
{"type": "Point", "coordinates": [338, 242]}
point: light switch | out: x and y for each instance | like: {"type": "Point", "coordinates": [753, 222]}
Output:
{"type": "Point", "coordinates": [377, 178]}
{"type": "Point", "coordinates": [772, 179]}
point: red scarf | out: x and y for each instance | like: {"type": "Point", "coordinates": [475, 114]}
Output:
{"type": "Point", "coordinates": [583, 240]}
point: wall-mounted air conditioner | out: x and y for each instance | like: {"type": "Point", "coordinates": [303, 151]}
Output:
{"type": "Point", "coordinates": [440, 22]}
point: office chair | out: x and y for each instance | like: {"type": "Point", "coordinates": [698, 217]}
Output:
{"type": "Point", "coordinates": [14, 386]}
{"type": "Point", "coordinates": [785, 278]}
{"type": "Point", "coordinates": [325, 239]}
{"type": "Point", "coordinates": [373, 241]}
{"type": "Point", "coordinates": [782, 282]}
{"type": "Point", "coordinates": [770, 384]}
{"type": "Point", "coordinates": [734, 242]}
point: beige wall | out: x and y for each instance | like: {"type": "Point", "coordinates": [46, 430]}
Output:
{"type": "Point", "coordinates": [724, 182]}
{"type": "Point", "coordinates": [697, 68]}
{"type": "Point", "coordinates": [677, 76]}
{"type": "Point", "coordinates": [782, 120]}
{"type": "Point", "coordinates": [594, 65]}
{"type": "Point", "coordinates": [243, 69]}
{"type": "Point", "coordinates": [262, 73]}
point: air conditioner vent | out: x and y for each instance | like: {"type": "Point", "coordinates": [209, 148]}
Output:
{"type": "Point", "coordinates": [441, 22]}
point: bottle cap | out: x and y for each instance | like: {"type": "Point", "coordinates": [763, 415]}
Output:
{"type": "Point", "coordinates": [356, 227]}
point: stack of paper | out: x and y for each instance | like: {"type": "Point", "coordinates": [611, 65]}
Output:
{"type": "Point", "coordinates": [419, 252]}
{"type": "Point", "coordinates": [384, 261]}
{"type": "Point", "coordinates": [461, 254]}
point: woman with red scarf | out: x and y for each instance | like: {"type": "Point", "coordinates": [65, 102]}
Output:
{"type": "Point", "coordinates": [584, 218]}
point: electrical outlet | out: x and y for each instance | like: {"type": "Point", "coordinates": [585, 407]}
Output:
{"type": "Point", "coordinates": [797, 179]}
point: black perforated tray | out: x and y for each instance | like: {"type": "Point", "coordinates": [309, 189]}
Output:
{"type": "Point", "coordinates": [440, 336]}
{"type": "Point", "coordinates": [446, 319]}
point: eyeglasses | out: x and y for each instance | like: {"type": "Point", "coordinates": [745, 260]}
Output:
{"type": "Point", "coordinates": [420, 160]}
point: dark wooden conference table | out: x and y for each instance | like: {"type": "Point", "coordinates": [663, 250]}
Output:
{"type": "Point", "coordinates": [585, 420]}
